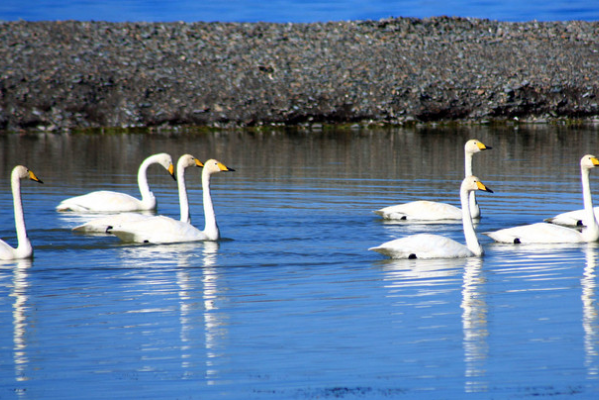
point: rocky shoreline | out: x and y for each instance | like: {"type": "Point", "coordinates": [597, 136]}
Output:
{"type": "Point", "coordinates": [69, 75]}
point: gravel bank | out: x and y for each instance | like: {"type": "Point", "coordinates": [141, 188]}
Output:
{"type": "Point", "coordinates": [67, 75]}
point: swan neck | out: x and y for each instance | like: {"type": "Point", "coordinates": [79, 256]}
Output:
{"type": "Point", "coordinates": [142, 181]}
{"type": "Point", "coordinates": [211, 227]}
{"type": "Point", "coordinates": [183, 200]}
{"type": "Point", "coordinates": [469, 234]}
{"type": "Point", "coordinates": [23, 241]}
{"type": "Point", "coordinates": [591, 232]}
{"type": "Point", "coordinates": [468, 164]}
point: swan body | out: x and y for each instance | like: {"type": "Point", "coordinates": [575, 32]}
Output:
{"type": "Point", "coordinates": [108, 201]}
{"type": "Point", "coordinates": [24, 248]}
{"type": "Point", "coordinates": [435, 246]}
{"type": "Point", "coordinates": [549, 233]}
{"type": "Point", "coordinates": [436, 211]}
{"type": "Point", "coordinates": [160, 229]}
{"type": "Point", "coordinates": [107, 224]}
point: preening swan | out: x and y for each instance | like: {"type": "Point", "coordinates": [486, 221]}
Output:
{"type": "Point", "coordinates": [434, 246]}
{"type": "Point", "coordinates": [24, 248]}
{"type": "Point", "coordinates": [108, 201]}
{"type": "Point", "coordinates": [424, 210]}
{"type": "Point", "coordinates": [107, 224]}
{"type": "Point", "coordinates": [548, 233]}
{"type": "Point", "coordinates": [160, 229]}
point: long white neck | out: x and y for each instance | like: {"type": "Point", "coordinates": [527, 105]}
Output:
{"type": "Point", "coordinates": [183, 201]}
{"type": "Point", "coordinates": [211, 228]}
{"type": "Point", "coordinates": [474, 209]}
{"type": "Point", "coordinates": [147, 197]}
{"type": "Point", "coordinates": [469, 233]}
{"type": "Point", "coordinates": [24, 248]}
{"type": "Point", "coordinates": [591, 230]}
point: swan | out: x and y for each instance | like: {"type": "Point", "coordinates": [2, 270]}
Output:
{"type": "Point", "coordinates": [543, 232]}
{"type": "Point", "coordinates": [24, 248]}
{"type": "Point", "coordinates": [424, 210]}
{"type": "Point", "coordinates": [107, 224]}
{"type": "Point", "coordinates": [107, 201]}
{"type": "Point", "coordinates": [161, 229]}
{"type": "Point", "coordinates": [426, 245]}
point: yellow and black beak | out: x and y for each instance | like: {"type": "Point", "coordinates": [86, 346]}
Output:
{"type": "Point", "coordinates": [481, 186]}
{"type": "Point", "coordinates": [482, 146]}
{"type": "Point", "coordinates": [171, 170]}
{"type": "Point", "coordinates": [199, 163]}
{"type": "Point", "coordinates": [33, 177]}
{"type": "Point", "coordinates": [223, 167]}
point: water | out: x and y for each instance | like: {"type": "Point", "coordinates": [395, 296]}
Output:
{"type": "Point", "coordinates": [290, 304]}
{"type": "Point", "coordinates": [294, 10]}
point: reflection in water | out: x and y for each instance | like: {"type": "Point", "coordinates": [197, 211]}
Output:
{"type": "Point", "coordinates": [590, 320]}
{"type": "Point", "coordinates": [20, 294]}
{"type": "Point", "coordinates": [474, 322]}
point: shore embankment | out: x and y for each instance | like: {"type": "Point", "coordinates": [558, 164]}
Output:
{"type": "Point", "coordinates": [78, 75]}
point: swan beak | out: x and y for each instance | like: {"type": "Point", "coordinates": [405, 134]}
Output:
{"type": "Point", "coordinates": [199, 163]}
{"type": "Point", "coordinates": [223, 167]}
{"type": "Point", "coordinates": [171, 170]}
{"type": "Point", "coordinates": [482, 146]}
{"type": "Point", "coordinates": [481, 186]}
{"type": "Point", "coordinates": [33, 177]}
{"type": "Point", "coordinates": [595, 161]}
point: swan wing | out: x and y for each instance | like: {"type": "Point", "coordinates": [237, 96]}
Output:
{"type": "Point", "coordinates": [159, 229]}
{"type": "Point", "coordinates": [423, 246]}
{"type": "Point", "coordinates": [103, 201]}
{"type": "Point", "coordinates": [422, 210]}
{"type": "Point", "coordinates": [107, 224]}
{"type": "Point", "coordinates": [571, 218]}
{"type": "Point", "coordinates": [536, 233]}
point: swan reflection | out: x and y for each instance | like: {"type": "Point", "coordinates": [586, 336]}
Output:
{"type": "Point", "coordinates": [590, 320]}
{"type": "Point", "coordinates": [474, 323]}
{"type": "Point", "coordinates": [20, 293]}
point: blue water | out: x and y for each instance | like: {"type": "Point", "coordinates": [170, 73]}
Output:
{"type": "Point", "coordinates": [294, 10]}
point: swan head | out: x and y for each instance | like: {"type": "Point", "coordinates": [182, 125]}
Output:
{"type": "Point", "coordinates": [589, 161]}
{"type": "Point", "coordinates": [22, 172]}
{"type": "Point", "coordinates": [187, 160]}
{"type": "Point", "coordinates": [212, 166]}
{"type": "Point", "coordinates": [474, 146]}
{"type": "Point", "coordinates": [472, 183]}
{"type": "Point", "coordinates": [166, 161]}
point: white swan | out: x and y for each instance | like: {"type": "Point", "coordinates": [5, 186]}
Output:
{"type": "Point", "coordinates": [160, 229]}
{"type": "Point", "coordinates": [107, 224]}
{"type": "Point", "coordinates": [548, 233]}
{"type": "Point", "coordinates": [107, 201]}
{"type": "Point", "coordinates": [424, 210]}
{"type": "Point", "coordinates": [434, 246]}
{"type": "Point", "coordinates": [24, 248]}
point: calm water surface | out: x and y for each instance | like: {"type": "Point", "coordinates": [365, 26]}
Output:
{"type": "Point", "coordinates": [290, 304]}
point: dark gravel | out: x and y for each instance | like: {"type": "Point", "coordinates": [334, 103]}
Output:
{"type": "Point", "coordinates": [67, 75]}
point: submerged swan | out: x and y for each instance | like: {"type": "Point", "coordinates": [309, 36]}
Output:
{"type": "Point", "coordinates": [434, 246]}
{"type": "Point", "coordinates": [24, 248]}
{"type": "Point", "coordinates": [424, 210]}
{"type": "Point", "coordinates": [107, 224]}
{"type": "Point", "coordinates": [548, 233]}
{"type": "Point", "coordinates": [160, 229]}
{"type": "Point", "coordinates": [108, 201]}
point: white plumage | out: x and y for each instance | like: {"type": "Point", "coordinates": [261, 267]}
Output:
{"type": "Point", "coordinates": [435, 246]}
{"type": "Point", "coordinates": [424, 210]}
{"type": "Point", "coordinates": [24, 248]}
{"type": "Point", "coordinates": [107, 224]}
{"type": "Point", "coordinates": [549, 233]}
{"type": "Point", "coordinates": [109, 201]}
{"type": "Point", "coordinates": [160, 229]}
